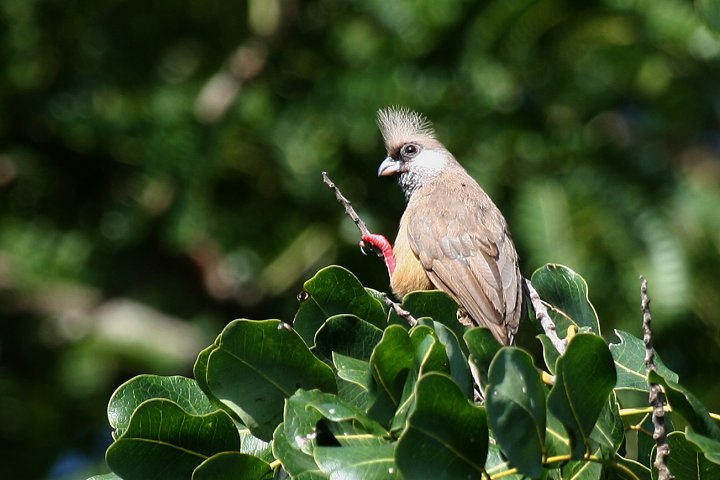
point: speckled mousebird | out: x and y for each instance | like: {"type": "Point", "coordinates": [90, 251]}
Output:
{"type": "Point", "coordinates": [452, 237]}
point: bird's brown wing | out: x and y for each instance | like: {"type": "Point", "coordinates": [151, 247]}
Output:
{"type": "Point", "coordinates": [463, 243]}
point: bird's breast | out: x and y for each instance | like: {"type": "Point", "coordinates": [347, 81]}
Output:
{"type": "Point", "coordinates": [409, 274]}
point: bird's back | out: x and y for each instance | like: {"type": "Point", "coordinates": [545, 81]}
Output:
{"type": "Point", "coordinates": [461, 242]}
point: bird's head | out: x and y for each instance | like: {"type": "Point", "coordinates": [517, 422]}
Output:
{"type": "Point", "coordinates": [413, 152]}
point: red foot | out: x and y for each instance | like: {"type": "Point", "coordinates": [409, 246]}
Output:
{"type": "Point", "coordinates": [382, 244]}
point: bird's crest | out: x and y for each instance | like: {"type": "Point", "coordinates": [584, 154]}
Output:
{"type": "Point", "coordinates": [400, 125]}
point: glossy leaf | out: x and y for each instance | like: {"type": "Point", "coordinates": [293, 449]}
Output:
{"type": "Point", "coordinates": [584, 379]}
{"type": "Point", "coordinates": [438, 306]}
{"type": "Point", "coordinates": [252, 445]}
{"type": "Point", "coordinates": [348, 335]}
{"type": "Point", "coordinates": [185, 392]}
{"type": "Point", "coordinates": [430, 356]}
{"type": "Point", "coordinates": [515, 401]}
{"type": "Point", "coordinates": [257, 366]}
{"type": "Point", "coordinates": [550, 353]}
{"type": "Point", "coordinates": [164, 441]}
{"type": "Point", "coordinates": [497, 464]}
{"type": "Point", "coordinates": [358, 463]}
{"type": "Point", "coordinates": [688, 406]}
{"type": "Point", "coordinates": [608, 433]}
{"type": "Point", "coordinates": [446, 435]}
{"type": "Point", "coordinates": [390, 365]}
{"type": "Point", "coordinates": [686, 460]}
{"type": "Point", "coordinates": [294, 460]}
{"type": "Point", "coordinates": [233, 465]}
{"type": "Point", "coordinates": [567, 292]}
{"type": "Point", "coordinates": [557, 440]}
{"type": "Point", "coordinates": [332, 291]}
{"type": "Point", "coordinates": [625, 469]}
{"type": "Point", "coordinates": [348, 425]}
{"type": "Point", "coordinates": [455, 355]}
{"type": "Point", "coordinates": [709, 447]}
{"type": "Point", "coordinates": [482, 346]}
{"type": "Point", "coordinates": [629, 357]}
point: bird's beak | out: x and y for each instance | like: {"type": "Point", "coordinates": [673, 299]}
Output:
{"type": "Point", "coordinates": [389, 166]}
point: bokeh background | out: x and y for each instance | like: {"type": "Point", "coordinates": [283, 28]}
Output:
{"type": "Point", "coordinates": [160, 174]}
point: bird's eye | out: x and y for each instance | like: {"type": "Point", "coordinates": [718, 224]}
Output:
{"type": "Point", "coordinates": [409, 150]}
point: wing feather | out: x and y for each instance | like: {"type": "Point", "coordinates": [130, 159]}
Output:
{"type": "Point", "coordinates": [463, 244]}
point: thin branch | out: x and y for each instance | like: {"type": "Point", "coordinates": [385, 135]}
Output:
{"type": "Point", "coordinates": [399, 311]}
{"type": "Point", "coordinates": [350, 211]}
{"type": "Point", "coordinates": [656, 396]}
{"type": "Point", "coordinates": [542, 315]}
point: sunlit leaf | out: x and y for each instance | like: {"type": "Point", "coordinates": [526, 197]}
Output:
{"type": "Point", "coordinates": [390, 364]}
{"type": "Point", "coordinates": [226, 465]}
{"type": "Point", "coordinates": [709, 447]}
{"type": "Point", "coordinates": [688, 406]}
{"type": "Point", "coordinates": [629, 357]}
{"type": "Point", "coordinates": [446, 436]}
{"type": "Point", "coordinates": [185, 392]}
{"type": "Point", "coordinates": [348, 335]}
{"type": "Point", "coordinates": [359, 462]}
{"type": "Point", "coordinates": [257, 366]}
{"type": "Point", "coordinates": [687, 462]}
{"type": "Point", "coordinates": [584, 379]}
{"type": "Point", "coordinates": [567, 293]}
{"type": "Point", "coordinates": [333, 291]}
{"type": "Point", "coordinates": [164, 441]}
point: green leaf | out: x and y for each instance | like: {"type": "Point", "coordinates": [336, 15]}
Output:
{"type": "Point", "coordinates": [584, 379]}
{"type": "Point", "coordinates": [183, 391]}
{"type": "Point", "coordinates": [550, 353]}
{"type": "Point", "coordinates": [293, 460]}
{"type": "Point", "coordinates": [348, 335]}
{"type": "Point", "coordinates": [688, 406]}
{"type": "Point", "coordinates": [557, 440]}
{"type": "Point", "coordinates": [446, 435]}
{"type": "Point", "coordinates": [687, 462]}
{"type": "Point", "coordinates": [454, 353]}
{"type": "Point", "coordinates": [390, 364]}
{"type": "Point", "coordinates": [354, 379]}
{"type": "Point", "coordinates": [497, 464]}
{"type": "Point", "coordinates": [252, 445]}
{"type": "Point", "coordinates": [349, 425]}
{"type": "Point", "coordinates": [624, 469]}
{"type": "Point", "coordinates": [257, 366]}
{"type": "Point", "coordinates": [629, 357]}
{"type": "Point", "coordinates": [709, 446]}
{"type": "Point", "coordinates": [645, 440]}
{"type": "Point", "coordinates": [515, 401]}
{"type": "Point", "coordinates": [609, 432]}
{"type": "Point", "coordinates": [483, 346]}
{"type": "Point", "coordinates": [332, 291]}
{"type": "Point", "coordinates": [233, 465]}
{"type": "Point", "coordinates": [430, 356]}
{"type": "Point", "coordinates": [164, 441]}
{"type": "Point", "coordinates": [352, 369]}
{"type": "Point", "coordinates": [567, 292]}
{"type": "Point", "coordinates": [438, 306]}
{"type": "Point", "coordinates": [360, 462]}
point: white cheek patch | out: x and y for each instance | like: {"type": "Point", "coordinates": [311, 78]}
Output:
{"type": "Point", "coordinates": [430, 161]}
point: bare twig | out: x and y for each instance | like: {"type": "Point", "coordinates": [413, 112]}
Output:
{"type": "Point", "coordinates": [542, 315]}
{"type": "Point", "coordinates": [656, 396]}
{"type": "Point", "coordinates": [350, 211]}
{"type": "Point", "coordinates": [399, 311]}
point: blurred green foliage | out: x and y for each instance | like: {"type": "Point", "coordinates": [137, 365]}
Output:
{"type": "Point", "coordinates": [160, 173]}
